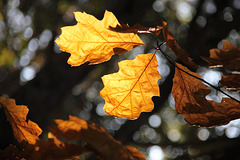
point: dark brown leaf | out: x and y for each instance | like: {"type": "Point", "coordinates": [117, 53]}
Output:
{"type": "Point", "coordinates": [231, 82]}
{"type": "Point", "coordinates": [97, 138]}
{"type": "Point", "coordinates": [137, 28]}
{"type": "Point", "coordinates": [53, 149]}
{"type": "Point", "coordinates": [189, 94]}
{"type": "Point", "coordinates": [227, 57]}
{"type": "Point", "coordinates": [176, 49]}
{"type": "Point", "coordinates": [11, 153]}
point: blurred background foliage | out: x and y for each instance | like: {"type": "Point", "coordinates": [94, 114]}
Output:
{"type": "Point", "coordinates": [35, 72]}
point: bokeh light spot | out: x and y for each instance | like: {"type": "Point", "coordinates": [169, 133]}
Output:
{"type": "Point", "coordinates": [174, 135]}
{"type": "Point", "coordinates": [33, 45]}
{"type": "Point", "coordinates": [155, 153]}
{"type": "Point", "coordinates": [236, 4]}
{"type": "Point", "coordinates": [232, 132]}
{"type": "Point", "coordinates": [228, 17]}
{"type": "Point", "coordinates": [158, 6]}
{"type": "Point", "coordinates": [203, 134]}
{"type": "Point", "coordinates": [154, 121]}
{"type": "Point", "coordinates": [27, 74]}
{"type": "Point", "coordinates": [99, 109]}
{"type": "Point", "coordinates": [184, 12]}
{"type": "Point", "coordinates": [209, 7]}
{"type": "Point", "coordinates": [201, 21]}
{"type": "Point", "coordinates": [28, 33]}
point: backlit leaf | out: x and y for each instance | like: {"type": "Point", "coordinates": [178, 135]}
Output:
{"type": "Point", "coordinates": [71, 128]}
{"type": "Point", "coordinates": [189, 94]}
{"type": "Point", "coordinates": [91, 40]}
{"type": "Point", "coordinates": [227, 57]}
{"type": "Point", "coordinates": [96, 138]}
{"type": "Point", "coordinates": [16, 114]}
{"type": "Point", "coordinates": [129, 92]}
{"type": "Point", "coordinates": [176, 49]}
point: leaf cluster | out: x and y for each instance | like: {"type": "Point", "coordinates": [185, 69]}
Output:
{"type": "Point", "coordinates": [127, 93]}
{"type": "Point", "coordinates": [74, 129]}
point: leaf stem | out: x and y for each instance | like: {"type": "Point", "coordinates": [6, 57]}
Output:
{"type": "Point", "coordinates": [150, 46]}
{"type": "Point", "coordinates": [174, 64]}
{"type": "Point", "coordinates": [157, 39]}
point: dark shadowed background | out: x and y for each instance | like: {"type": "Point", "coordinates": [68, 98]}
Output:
{"type": "Point", "coordinates": [35, 72]}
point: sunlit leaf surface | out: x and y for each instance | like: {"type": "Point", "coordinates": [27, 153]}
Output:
{"type": "Point", "coordinates": [23, 130]}
{"type": "Point", "coordinates": [177, 50]}
{"type": "Point", "coordinates": [92, 40]}
{"type": "Point", "coordinates": [129, 92]}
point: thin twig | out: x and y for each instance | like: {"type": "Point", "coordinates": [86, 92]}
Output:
{"type": "Point", "coordinates": [150, 46]}
{"type": "Point", "coordinates": [173, 63]}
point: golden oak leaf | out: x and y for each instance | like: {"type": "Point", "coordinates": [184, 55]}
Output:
{"type": "Point", "coordinates": [129, 92]}
{"type": "Point", "coordinates": [91, 40]}
{"type": "Point", "coordinates": [16, 114]}
{"type": "Point", "coordinates": [231, 82]}
{"type": "Point", "coordinates": [189, 94]}
{"type": "Point", "coordinates": [176, 49]}
{"type": "Point", "coordinates": [227, 57]}
{"type": "Point", "coordinates": [96, 137]}
{"type": "Point", "coordinates": [137, 28]}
